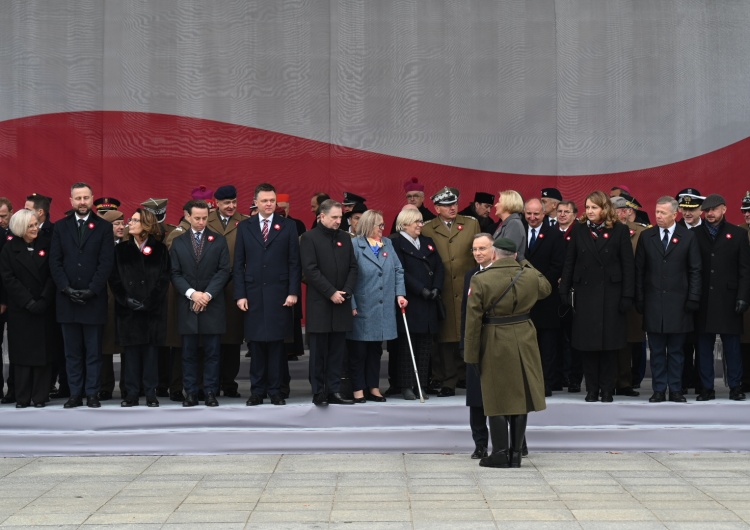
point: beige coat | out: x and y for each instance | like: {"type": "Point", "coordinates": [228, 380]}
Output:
{"type": "Point", "coordinates": [454, 247]}
{"type": "Point", "coordinates": [508, 354]}
{"type": "Point", "coordinates": [235, 318]}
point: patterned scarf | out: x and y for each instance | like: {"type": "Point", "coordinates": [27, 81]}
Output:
{"type": "Point", "coordinates": [595, 229]}
{"type": "Point", "coordinates": [713, 231]}
{"type": "Point", "coordinates": [375, 245]}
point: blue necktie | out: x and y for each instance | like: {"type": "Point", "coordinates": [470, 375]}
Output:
{"type": "Point", "coordinates": [533, 238]}
{"type": "Point", "coordinates": [665, 239]}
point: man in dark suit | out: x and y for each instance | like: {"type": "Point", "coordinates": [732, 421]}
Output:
{"type": "Point", "coordinates": [200, 270]}
{"type": "Point", "coordinates": [546, 252]}
{"type": "Point", "coordinates": [667, 260]}
{"type": "Point", "coordinates": [330, 271]}
{"type": "Point", "coordinates": [6, 211]}
{"type": "Point", "coordinates": [267, 284]}
{"type": "Point", "coordinates": [725, 257]}
{"type": "Point", "coordinates": [81, 259]}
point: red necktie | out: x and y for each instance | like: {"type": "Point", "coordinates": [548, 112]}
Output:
{"type": "Point", "coordinates": [264, 231]}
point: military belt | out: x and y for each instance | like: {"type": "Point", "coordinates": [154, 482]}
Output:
{"type": "Point", "coordinates": [499, 321]}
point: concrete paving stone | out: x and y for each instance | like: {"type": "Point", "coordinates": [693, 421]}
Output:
{"type": "Point", "coordinates": [298, 517]}
{"type": "Point", "coordinates": [655, 481]}
{"type": "Point", "coordinates": [486, 525]}
{"type": "Point", "coordinates": [156, 507]}
{"type": "Point", "coordinates": [220, 489]}
{"type": "Point", "coordinates": [624, 504]}
{"type": "Point", "coordinates": [129, 498]}
{"type": "Point", "coordinates": [594, 497]}
{"type": "Point", "coordinates": [354, 463]}
{"type": "Point", "coordinates": [210, 498]}
{"type": "Point", "coordinates": [682, 505]}
{"type": "Point", "coordinates": [743, 514]}
{"type": "Point", "coordinates": [207, 526]}
{"type": "Point", "coordinates": [217, 506]}
{"type": "Point", "coordinates": [367, 488]}
{"type": "Point", "coordinates": [730, 496]}
{"type": "Point", "coordinates": [265, 497]}
{"type": "Point", "coordinates": [123, 526]}
{"type": "Point", "coordinates": [322, 490]}
{"type": "Point", "coordinates": [210, 515]}
{"type": "Point", "coordinates": [248, 479]}
{"type": "Point", "coordinates": [129, 518]}
{"type": "Point", "coordinates": [348, 477]}
{"type": "Point", "coordinates": [731, 475]}
{"type": "Point", "coordinates": [588, 488]}
{"type": "Point", "coordinates": [294, 526]}
{"type": "Point", "coordinates": [56, 527]}
{"type": "Point", "coordinates": [733, 504]}
{"type": "Point", "coordinates": [384, 525]}
{"type": "Point", "coordinates": [500, 504]}
{"type": "Point", "coordinates": [213, 465]}
{"type": "Point", "coordinates": [322, 477]}
{"type": "Point", "coordinates": [630, 473]}
{"type": "Point", "coordinates": [43, 508]}
{"type": "Point", "coordinates": [695, 515]}
{"type": "Point", "coordinates": [354, 496]}
{"type": "Point", "coordinates": [718, 481]}
{"type": "Point", "coordinates": [669, 495]}
{"type": "Point", "coordinates": [438, 505]}
{"type": "Point", "coordinates": [530, 514]}
{"type": "Point", "coordinates": [456, 513]}
{"type": "Point", "coordinates": [383, 506]}
{"type": "Point", "coordinates": [679, 525]}
{"type": "Point", "coordinates": [51, 519]}
{"type": "Point", "coordinates": [622, 525]}
{"type": "Point", "coordinates": [48, 469]}
{"type": "Point", "coordinates": [625, 514]}
{"type": "Point", "coordinates": [293, 506]}
{"type": "Point", "coordinates": [468, 475]}
{"type": "Point", "coordinates": [365, 516]}
{"type": "Point", "coordinates": [527, 496]}
{"type": "Point", "coordinates": [684, 489]}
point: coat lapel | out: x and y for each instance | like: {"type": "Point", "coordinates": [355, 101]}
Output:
{"type": "Point", "coordinates": [369, 254]}
{"type": "Point", "coordinates": [25, 258]}
{"type": "Point", "coordinates": [255, 230]}
{"type": "Point", "coordinates": [272, 230]}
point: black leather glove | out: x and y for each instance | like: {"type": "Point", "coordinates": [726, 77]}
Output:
{"type": "Point", "coordinates": [625, 304]}
{"type": "Point", "coordinates": [135, 305]}
{"type": "Point", "coordinates": [86, 294]}
{"type": "Point", "coordinates": [741, 307]}
{"type": "Point", "coordinates": [426, 294]}
{"type": "Point", "coordinates": [434, 294]}
{"type": "Point", "coordinates": [691, 306]}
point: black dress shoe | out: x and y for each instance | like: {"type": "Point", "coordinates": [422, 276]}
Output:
{"type": "Point", "coordinates": [20, 405]}
{"type": "Point", "coordinates": [73, 402]}
{"type": "Point", "coordinates": [591, 397]}
{"type": "Point", "coordinates": [496, 459]}
{"type": "Point", "coordinates": [574, 389]}
{"type": "Point", "coordinates": [736, 394]}
{"type": "Point", "coordinates": [211, 400]}
{"type": "Point", "coordinates": [677, 397]}
{"type": "Point", "coordinates": [278, 400]}
{"type": "Point", "coordinates": [320, 399]}
{"type": "Point", "coordinates": [9, 398]}
{"type": "Point", "coordinates": [104, 395]}
{"type": "Point", "coordinates": [706, 395]}
{"type": "Point", "coordinates": [151, 401]}
{"type": "Point", "coordinates": [129, 403]}
{"type": "Point", "coordinates": [92, 402]}
{"type": "Point", "coordinates": [627, 391]}
{"type": "Point", "coordinates": [232, 393]}
{"type": "Point", "coordinates": [607, 397]}
{"type": "Point", "coordinates": [363, 399]}
{"type": "Point", "coordinates": [657, 397]}
{"type": "Point", "coordinates": [190, 400]}
{"type": "Point", "coordinates": [372, 397]}
{"type": "Point", "coordinates": [177, 396]}
{"type": "Point", "coordinates": [52, 392]}
{"type": "Point", "coordinates": [479, 452]}
{"type": "Point", "coordinates": [446, 392]}
{"type": "Point", "coordinates": [253, 400]}
{"type": "Point", "coordinates": [40, 405]}
{"type": "Point", "coordinates": [337, 399]}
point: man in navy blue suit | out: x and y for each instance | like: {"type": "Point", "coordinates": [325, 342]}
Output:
{"type": "Point", "coordinates": [267, 284]}
{"type": "Point", "coordinates": [81, 259]}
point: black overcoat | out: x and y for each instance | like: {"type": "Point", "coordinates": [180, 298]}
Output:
{"type": "Point", "coordinates": [328, 265]}
{"type": "Point", "coordinates": [423, 269]}
{"type": "Point", "coordinates": [144, 276]}
{"type": "Point", "coordinates": [548, 257]}
{"type": "Point", "coordinates": [602, 272]}
{"type": "Point", "coordinates": [33, 339]}
{"type": "Point", "coordinates": [210, 275]}
{"type": "Point", "coordinates": [266, 272]}
{"type": "Point", "coordinates": [725, 278]}
{"type": "Point", "coordinates": [665, 281]}
{"type": "Point", "coordinates": [84, 265]}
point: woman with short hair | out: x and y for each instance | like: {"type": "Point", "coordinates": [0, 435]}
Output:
{"type": "Point", "coordinates": [509, 208]}
{"type": "Point", "coordinates": [139, 282]}
{"type": "Point", "coordinates": [378, 292]}
{"type": "Point", "coordinates": [30, 297]}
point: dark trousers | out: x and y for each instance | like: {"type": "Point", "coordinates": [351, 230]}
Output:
{"type": "Point", "coordinates": [422, 344]}
{"type": "Point", "coordinates": [448, 364]}
{"type": "Point", "coordinates": [141, 368]}
{"type": "Point", "coordinates": [393, 362]}
{"type": "Point", "coordinates": [667, 361]}
{"type": "Point", "coordinates": [600, 370]}
{"type": "Point", "coordinates": [108, 374]}
{"type": "Point", "coordinates": [732, 359]}
{"type": "Point", "coordinates": [59, 372]}
{"type": "Point", "coordinates": [478, 422]}
{"type": "Point", "coordinates": [83, 355]}
{"type": "Point", "coordinates": [327, 352]}
{"type": "Point", "coordinates": [628, 359]}
{"type": "Point", "coordinates": [266, 368]}
{"type": "Point", "coordinates": [548, 340]}
{"type": "Point", "coordinates": [745, 350]}
{"type": "Point", "coordinates": [190, 369]}
{"type": "Point", "coordinates": [32, 383]}
{"type": "Point", "coordinates": [230, 366]}
{"type": "Point", "coordinates": [364, 364]}
{"type": "Point", "coordinates": [691, 377]}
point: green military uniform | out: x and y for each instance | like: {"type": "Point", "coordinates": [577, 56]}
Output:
{"type": "Point", "coordinates": [508, 353]}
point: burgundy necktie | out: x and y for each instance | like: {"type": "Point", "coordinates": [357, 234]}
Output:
{"type": "Point", "coordinates": [264, 231]}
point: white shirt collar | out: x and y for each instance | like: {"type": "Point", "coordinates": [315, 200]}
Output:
{"type": "Point", "coordinates": [670, 230]}
{"type": "Point", "coordinates": [270, 220]}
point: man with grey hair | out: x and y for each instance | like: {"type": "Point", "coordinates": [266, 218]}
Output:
{"type": "Point", "coordinates": [667, 259]}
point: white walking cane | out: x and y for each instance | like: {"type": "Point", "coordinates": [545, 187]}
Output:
{"type": "Point", "coordinates": [411, 350]}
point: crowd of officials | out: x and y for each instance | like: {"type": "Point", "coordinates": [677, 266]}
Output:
{"type": "Point", "coordinates": [445, 290]}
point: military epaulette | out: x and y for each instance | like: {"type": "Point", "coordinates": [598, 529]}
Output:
{"type": "Point", "coordinates": [644, 225]}
{"type": "Point", "coordinates": [179, 229]}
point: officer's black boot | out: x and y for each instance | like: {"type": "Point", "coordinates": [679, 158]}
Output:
{"type": "Point", "coordinates": [500, 446]}
{"type": "Point", "coordinates": [517, 438]}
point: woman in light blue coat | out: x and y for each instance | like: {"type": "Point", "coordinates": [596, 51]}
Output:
{"type": "Point", "coordinates": [377, 297]}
